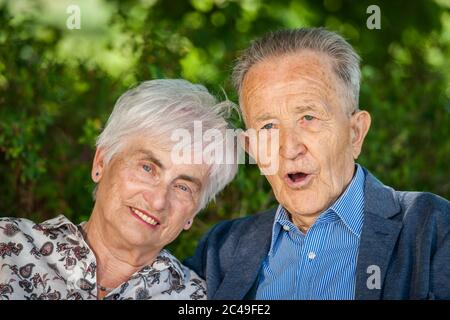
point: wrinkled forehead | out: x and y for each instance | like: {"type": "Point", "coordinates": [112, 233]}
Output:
{"type": "Point", "coordinates": [276, 70]}
{"type": "Point", "coordinates": [305, 74]}
{"type": "Point", "coordinates": [141, 143]}
{"type": "Point", "coordinates": [163, 154]}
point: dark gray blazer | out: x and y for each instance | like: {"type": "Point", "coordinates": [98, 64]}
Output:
{"type": "Point", "coordinates": [405, 234]}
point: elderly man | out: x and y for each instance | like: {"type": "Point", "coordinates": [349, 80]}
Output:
{"type": "Point", "coordinates": [143, 200]}
{"type": "Point", "coordinates": [338, 232]}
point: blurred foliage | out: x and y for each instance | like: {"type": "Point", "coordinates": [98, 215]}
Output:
{"type": "Point", "coordinates": [58, 86]}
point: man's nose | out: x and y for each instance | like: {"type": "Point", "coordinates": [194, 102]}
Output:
{"type": "Point", "coordinates": [156, 198]}
{"type": "Point", "coordinates": [291, 144]}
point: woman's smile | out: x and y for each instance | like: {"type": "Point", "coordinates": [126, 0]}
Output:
{"type": "Point", "coordinates": [144, 217]}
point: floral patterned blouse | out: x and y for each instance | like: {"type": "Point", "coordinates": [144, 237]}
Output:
{"type": "Point", "coordinates": [51, 260]}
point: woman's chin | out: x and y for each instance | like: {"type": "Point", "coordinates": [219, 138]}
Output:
{"type": "Point", "coordinates": [134, 234]}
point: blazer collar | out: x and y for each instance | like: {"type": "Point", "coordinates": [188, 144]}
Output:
{"type": "Point", "coordinates": [379, 199]}
{"type": "Point", "coordinates": [379, 235]}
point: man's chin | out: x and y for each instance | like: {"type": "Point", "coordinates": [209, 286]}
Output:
{"type": "Point", "coordinates": [303, 210]}
{"type": "Point", "coordinates": [303, 202]}
{"type": "Point", "coordinates": [302, 195]}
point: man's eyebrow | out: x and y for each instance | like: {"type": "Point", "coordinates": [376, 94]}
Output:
{"type": "Point", "coordinates": [298, 109]}
{"type": "Point", "coordinates": [150, 156]}
{"type": "Point", "coordinates": [307, 107]}
{"type": "Point", "coordinates": [263, 117]}
{"type": "Point", "coordinates": [191, 179]}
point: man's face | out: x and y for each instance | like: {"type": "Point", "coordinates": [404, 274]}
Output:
{"type": "Point", "coordinates": [143, 199]}
{"type": "Point", "coordinates": [300, 96]}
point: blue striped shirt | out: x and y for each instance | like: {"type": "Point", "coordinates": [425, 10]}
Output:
{"type": "Point", "coordinates": [320, 264]}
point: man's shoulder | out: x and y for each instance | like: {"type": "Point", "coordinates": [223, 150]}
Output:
{"type": "Point", "coordinates": [423, 205]}
{"type": "Point", "coordinates": [423, 199]}
{"type": "Point", "coordinates": [412, 205]}
{"type": "Point", "coordinates": [416, 210]}
{"type": "Point", "coordinates": [234, 228]}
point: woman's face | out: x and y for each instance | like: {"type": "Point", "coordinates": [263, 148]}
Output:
{"type": "Point", "coordinates": [143, 199]}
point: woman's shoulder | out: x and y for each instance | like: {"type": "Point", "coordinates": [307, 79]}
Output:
{"type": "Point", "coordinates": [16, 234]}
{"type": "Point", "coordinates": [13, 225]}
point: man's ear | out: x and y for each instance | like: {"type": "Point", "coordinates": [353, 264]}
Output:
{"type": "Point", "coordinates": [97, 165]}
{"type": "Point", "coordinates": [360, 124]}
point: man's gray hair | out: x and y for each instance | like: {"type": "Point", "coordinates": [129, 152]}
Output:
{"type": "Point", "coordinates": [274, 44]}
{"type": "Point", "coordinates": [158, 107]}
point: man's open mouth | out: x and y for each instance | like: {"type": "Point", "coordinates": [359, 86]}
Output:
{"type": "Point", "coordinates": [145, 216]}
{"type": "Point", "coordinates": [298, 179]}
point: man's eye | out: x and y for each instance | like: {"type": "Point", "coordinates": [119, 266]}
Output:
{"type": "Point", "coordinates": [147, 168]}
{"type": "Point", "coordinates": [184, 188]}
{"type": "Point", "coordinates": [268, 126]}
{"type": "Point", "coordinates": [308, 118]}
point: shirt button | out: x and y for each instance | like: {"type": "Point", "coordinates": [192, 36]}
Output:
{"type": "Point", "coordinates": [311, 255]}
{"type": "Point", "coordinates": [286, 228]}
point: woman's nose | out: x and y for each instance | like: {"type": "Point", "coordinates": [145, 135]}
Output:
{"type": "Point", "coordinates": [156, 198]}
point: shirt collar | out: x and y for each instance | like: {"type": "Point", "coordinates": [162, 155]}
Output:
{"type": "Point", "coordinates": [281, 220]}
{"type": "Point", "coordinates": [55, 223]}
{"type": "Point", "coordinates": [166, 260]}
{"type": "Point", "coordinates": [58, 224]}
{"type": "Point", "coordinates": [349, 207]}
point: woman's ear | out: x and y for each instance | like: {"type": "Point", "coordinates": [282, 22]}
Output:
{"type": "Point", "coordinates": [360, 124]}
{"type": "Point", "coordinates": [188, 224]}
{"type": "Point", "coordinates": [97, 165]}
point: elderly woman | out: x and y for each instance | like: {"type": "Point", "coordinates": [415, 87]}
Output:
{"type": "Point", "coordinates": [143, 200]}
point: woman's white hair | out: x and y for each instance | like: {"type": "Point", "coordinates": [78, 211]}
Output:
{"type": "Point", "coordinates": [158, 107]}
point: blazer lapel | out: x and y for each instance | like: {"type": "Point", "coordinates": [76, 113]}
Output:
{"type": "Point", "coordinates": [251, 250]}
{"type": "Point", "coordinates": [378, 238]}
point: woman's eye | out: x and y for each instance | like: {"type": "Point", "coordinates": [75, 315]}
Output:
{"type": "Point", "coordinates": [147, 168]}
{"type": "Point", "coordinates": [308, 118]}
{"type": "Point", "coordinates": [268, 126]}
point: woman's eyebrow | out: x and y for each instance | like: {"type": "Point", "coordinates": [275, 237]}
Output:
{"type": "Point", "coordinates": [150, 156]}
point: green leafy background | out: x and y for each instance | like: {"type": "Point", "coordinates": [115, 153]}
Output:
{"type": "Point", "coordinates": [58, 86]}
